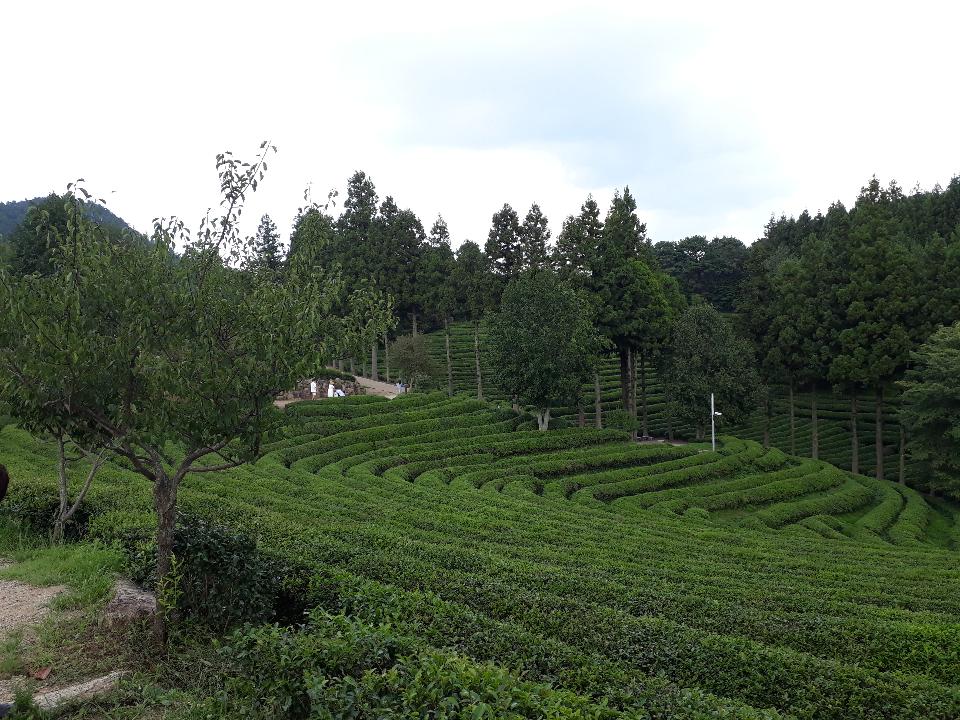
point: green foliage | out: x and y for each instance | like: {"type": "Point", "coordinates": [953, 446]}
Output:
{"type": "Point", "coordinates": [578, 242]}
{"type": "Point", "coordinates": [413, 361]}
{"type": "Point", "coordinates": [425, 517]}
{"type": "Point", "coordinates": [534, 239]}
{"type": "Point", "coordinates": [267, 256]}
{"type": "Point", "coordinates": [707, 357]}
{"type": "Point", "coordinates": [542, 342]}
{"type": "Point", "coordinates": [503, 247]}
{"type": "Point", "coordinates": [930, 408]}
{"type": "Point", "coordinates": [40, 225]}
{"type": "Point", "coordinates": [475, 290]}
{"type": "Point", "coordinates": [710, 270]}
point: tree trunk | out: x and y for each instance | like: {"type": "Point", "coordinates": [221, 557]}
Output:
{"type": "Point", "coordinates": [374, 373]}
{"type": "Point", "coordinates": [597, 407]}
{"type": "Point", "coordinates": [67, 510]}
{"type": "Point", "coordinates": [476, 357]}
{"type": "Point", "coordinates": [878, 438]}
{"type": "Point", "coordinates": [633, 395]}
{"type": "Point", "coordinates": [353, 370]}
{"type": "Point", "coordinates": [793, 423]}
{"type": "Point", "coordinates": [543, 419]}
{"type": "Point", "coordinates": [814, 435]}
{"type": "Point", "coordinates": [446, 327]}
{"type": "Point", "coordinates": [581, 418]}
{"type": "Point", "coordinates": [165, 504]}
{"type": "Point", "coordinates": [903, 456]}
{"type": "Point", "coordinates": [643, 394]}
{"type": "Point", "coordinates": [766, 419]}
{"type": "Point", "coordinates": [413, 317]}
{"type": "Point", "coordinates": [625, 379]}
{"type": "Point", "coordinates": [386, 355]}
{"type": "Point", "coordinates": [60, 520]}
{"type": "Point", "coordinates": [854, 436]}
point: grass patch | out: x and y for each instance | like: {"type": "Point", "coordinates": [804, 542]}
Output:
{"type": "Point", "coordinates": [87, 570]}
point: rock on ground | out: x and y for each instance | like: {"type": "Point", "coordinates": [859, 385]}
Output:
{"type": "Point", "coordinates": [130, 603]}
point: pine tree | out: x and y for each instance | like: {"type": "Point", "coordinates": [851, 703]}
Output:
{"type": "Point", "coordinates": [578, 241]}
{"type": "Point", "coordinates": [534, 239]}
{"type": "Point", "coordinates": [439, 233]}
{"type": "Point", "coordinates": [268, 256]}
{"type": "Point", "coordinates": [475, 292]}
{"type": "Point", "coordinates": [503, 247]}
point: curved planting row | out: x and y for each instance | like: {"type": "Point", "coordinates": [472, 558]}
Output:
{"type": "Point", "coordinates": [650, 595]}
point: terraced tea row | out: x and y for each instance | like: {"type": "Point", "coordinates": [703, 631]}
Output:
{"type": "Point", "coordinates": [650, 578]}
{"type": "Point", "coordinates": [833, 412]}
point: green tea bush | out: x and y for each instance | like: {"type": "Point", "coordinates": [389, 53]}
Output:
{"type": "Point", "coordinates": [224, 579]}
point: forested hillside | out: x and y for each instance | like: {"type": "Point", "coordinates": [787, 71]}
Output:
{"type": "Point", "coordinates": [13, 212]}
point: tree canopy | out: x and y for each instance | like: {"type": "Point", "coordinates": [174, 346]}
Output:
{"type": "Point", "coordinates": [542, 342]}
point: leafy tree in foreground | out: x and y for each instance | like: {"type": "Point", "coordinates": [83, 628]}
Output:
{"type": "Point", "coordinates": [542, 342]}
{"type": "Point", "coordinates": [930, 409]}
{"type": "Point", "coordinates": [197, 350]}
{"type": "Point", "coordinates": [51, 354]}
{"type": "Point", "coordinates": [706, 356]}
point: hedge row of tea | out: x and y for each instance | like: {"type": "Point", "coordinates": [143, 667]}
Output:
{"type": "Point", "coordinates": [570, 573]}
{"type": "Point", "coordinates": [833, 412]}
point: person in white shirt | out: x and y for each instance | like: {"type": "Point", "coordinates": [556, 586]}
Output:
{"type": "Point", "coordinates": [330, 390]}
{"type": "Point", "coordinates": [313, 388]}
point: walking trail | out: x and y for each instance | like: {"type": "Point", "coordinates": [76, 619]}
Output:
{"type": "Point", "coordinates": [375, 387]}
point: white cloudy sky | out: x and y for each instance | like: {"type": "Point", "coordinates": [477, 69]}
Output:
{"type": "Point", "coordinates": [716, 114]}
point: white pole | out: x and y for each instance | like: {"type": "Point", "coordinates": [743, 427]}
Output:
{"type": "Point", "coordinates": [713, 437]}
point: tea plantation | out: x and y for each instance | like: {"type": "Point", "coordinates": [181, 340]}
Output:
{"type": "Point", "coordinates": [445, 547]}
{"type": "Point", "coordinates": [833, 412]}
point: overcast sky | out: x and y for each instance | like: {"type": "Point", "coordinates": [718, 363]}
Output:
{"type": "Point", "coordinates": [716, 115]}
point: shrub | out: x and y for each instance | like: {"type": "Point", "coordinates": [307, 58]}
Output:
{"type": "Point", "coordinates": [224, 579]}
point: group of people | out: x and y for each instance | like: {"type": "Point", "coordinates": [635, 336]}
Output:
{"type": "Point", "coordinates": [332, 390]}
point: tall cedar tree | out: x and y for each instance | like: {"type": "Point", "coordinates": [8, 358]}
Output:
{"type": "Point", "coordinates": [435, 283]}
{"type": "Point", "coordinates": [534, 239]}
{"type": "Point", "coordinates": [572, 256]}
{"type": "Point", "coordinates": [578, 241]}
{"type": "Point", "coordinates": [476, 293]}
{"type": "Point", "coordinates": [503, 248]}
{"type": "Point", "coordinates": [267, 255]}
{"type": "Point", "coordinates": [631, 303]}
{"type": "Point", "coordinates": [880, 300]}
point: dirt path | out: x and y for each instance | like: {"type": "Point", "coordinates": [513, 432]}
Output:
{"type": "Point", "coordinates": [21, 606]}
{"type": "Point", "coordinates": [375, 387]}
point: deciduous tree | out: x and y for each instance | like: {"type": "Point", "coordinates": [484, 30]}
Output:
{"type": "Point", "coordinates": [542, 342]}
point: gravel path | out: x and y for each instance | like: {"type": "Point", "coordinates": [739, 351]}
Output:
{"type": "Point", "coordinates": [375, 387]}
{"type": "Point", "coordinates": [21, 605]}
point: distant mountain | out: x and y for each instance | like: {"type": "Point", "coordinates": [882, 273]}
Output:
{"type": "Point", "coordinates": [13, 212]}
